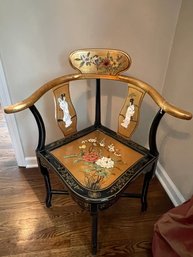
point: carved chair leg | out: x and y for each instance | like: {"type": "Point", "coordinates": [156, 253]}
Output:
{"type": "Point", "coordinates": [46, 176]}
{"type": "Point", "coordinates": [94, 215]}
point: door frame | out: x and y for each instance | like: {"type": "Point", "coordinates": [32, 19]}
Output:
{"type": "Point", "coordinates": [10, 120]}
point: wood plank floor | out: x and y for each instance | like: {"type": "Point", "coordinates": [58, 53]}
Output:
{"type": "Point", "coordinates": [28, 228]}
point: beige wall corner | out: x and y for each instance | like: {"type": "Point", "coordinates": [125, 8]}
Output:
{"type": "Point", "coordinates": [176, 136]}
{"type": "Point", "coordinates": [37, 37]}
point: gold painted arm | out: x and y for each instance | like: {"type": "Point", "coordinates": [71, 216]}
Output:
{"type": "Point", "coordinates": [26, 103]}
{"type": "Point", "coordinates": [175, 111]}
{"type": "Point", "coordinates": [167, 107]}
{"type": "Point", "coordinates": [159, 100]}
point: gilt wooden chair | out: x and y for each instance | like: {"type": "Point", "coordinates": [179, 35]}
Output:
{"type": "Point", "coordinates": [97, 164]}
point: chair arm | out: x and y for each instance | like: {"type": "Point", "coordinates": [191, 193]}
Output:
{"type": "Point", "coordinates": [176, 112]}
{"type": "Point", "coordinates": [159, 100]}
{"type": "Point", "coordinates": [20, 106]}
{"type": "Point", "coordinates": [31, 100]}
{"type": "Point", "coordinates": [167, 107]}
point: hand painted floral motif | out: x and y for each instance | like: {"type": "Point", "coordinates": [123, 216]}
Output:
{"type": "Point", "coordinates": [98, 160]}
{"type": "Point", "coordinates": [107, 64]}
{"type": "Point", "coordinates": [90, 157]}
{"type": "Point", "coordinates": [105, 162]}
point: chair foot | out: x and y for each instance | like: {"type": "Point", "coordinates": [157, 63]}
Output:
{"type": "Point", "coordinates": [48, 204]}
{"type": "Point", "coordinates": [94, 250]}
{"type": "Point", "coordinates": [144, 206]}
{"type": "Point", "coordinates": [94, 215]}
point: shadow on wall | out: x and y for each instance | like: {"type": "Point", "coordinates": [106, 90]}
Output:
{"type": "Point", "coordinates": [167, 132]}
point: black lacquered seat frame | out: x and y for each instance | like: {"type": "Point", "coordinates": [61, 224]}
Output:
{"type": "Point", "coordinates": [106, 196]}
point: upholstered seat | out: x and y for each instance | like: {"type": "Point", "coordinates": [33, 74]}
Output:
{"type": "Point", "coordinates": [97, 164]}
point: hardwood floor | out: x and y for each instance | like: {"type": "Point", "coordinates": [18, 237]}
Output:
{"type": "Point", "coordinates": [28, 228]}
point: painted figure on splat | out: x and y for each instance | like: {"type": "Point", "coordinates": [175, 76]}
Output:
{"type": "Point", "coordinates": [64, 106]}
{"type": "Point", "coordinates": [129, 114]}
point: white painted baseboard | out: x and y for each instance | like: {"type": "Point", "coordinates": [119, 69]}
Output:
{"type": "Point", "coordinates": [173, 192]}
{"type": "Point", "coordinates": [31, 162]}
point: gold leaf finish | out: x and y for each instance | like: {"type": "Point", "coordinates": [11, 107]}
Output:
{"type": "Point", "coordinates": [82, 157]}
{"type": "Point", "coordinates": [100, 61]}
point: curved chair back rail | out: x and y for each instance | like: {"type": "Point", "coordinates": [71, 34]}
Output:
{"type": "Point", "coordinates": [153, 93]}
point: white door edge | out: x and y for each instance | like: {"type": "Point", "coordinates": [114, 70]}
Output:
{"type": "Point", "coordinates": [11, 121]}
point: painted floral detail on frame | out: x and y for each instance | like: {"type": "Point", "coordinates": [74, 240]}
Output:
{"type": "Point", "coordinates": [108, 64]}
{"type": "Point", "coordinates": [99, 159]}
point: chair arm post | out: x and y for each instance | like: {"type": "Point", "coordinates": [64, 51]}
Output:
{"type": "Point", "coordinates": [41, 127]}
{"type": "Point", "coordinates": [98, 103]}
{"type": "Point", "coordinates": [153, 132]}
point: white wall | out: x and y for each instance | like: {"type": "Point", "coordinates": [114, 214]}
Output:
{"type": "Point", "coordinates": [176, 136]}
{"type": "Point", "coordinates": [38, 35]}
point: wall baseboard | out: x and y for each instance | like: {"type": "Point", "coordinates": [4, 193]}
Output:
{"type": "Point", "coordinates": [31, 162]}
{"type": "Point", "coordinates": [173, 192]}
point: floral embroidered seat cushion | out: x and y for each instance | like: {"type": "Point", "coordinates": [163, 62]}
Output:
{"type": "Point", "coordinates": [96, 160]}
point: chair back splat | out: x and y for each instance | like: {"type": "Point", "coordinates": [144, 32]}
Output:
{"type": "Point", "coordinates": [97, 164]}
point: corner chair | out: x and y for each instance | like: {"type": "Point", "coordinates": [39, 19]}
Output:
{"type": "Point", "coordinates": [97, 164]}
